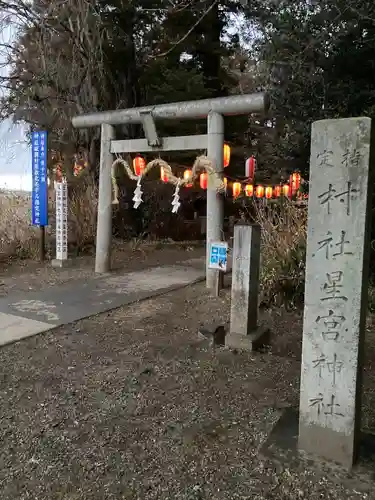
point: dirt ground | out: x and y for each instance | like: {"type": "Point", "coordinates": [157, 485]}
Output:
{"type": "Point", "coordinates": [130, 405]}
{"type": "Point", "coordinates": [133, 256]}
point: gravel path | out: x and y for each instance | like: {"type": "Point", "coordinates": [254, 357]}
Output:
{"type": "Point", "coordinates": [130, 405]}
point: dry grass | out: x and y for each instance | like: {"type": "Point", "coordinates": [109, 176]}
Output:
{"type": "Point", "coordinates": [18, 239]}
{"type": "Point", "coordinates": [283, 252]}
{"type": "Point", "coordinates": [82, 215]}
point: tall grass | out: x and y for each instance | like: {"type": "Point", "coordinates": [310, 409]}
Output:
{"type": "Point", "coordinates": [283, 250]}
{"type": "Point", "coordinates": [83, 208]}
{"type": "Point", "coordinates": [19, 239]}
{"type": "Point", "coordinates": [283, 253]}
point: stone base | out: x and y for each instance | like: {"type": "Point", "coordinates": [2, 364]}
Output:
{"type": "Point", "coordinates": [61, 263]}
{"type": "Point", "coordinates": [257, 339]}
{"type": "Point", "coordinates": [282, 448]}
{"type": "Point", "coordinates": [214, 335]}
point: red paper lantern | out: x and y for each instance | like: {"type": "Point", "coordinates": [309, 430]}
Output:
{"type": "Point", "coordinates": [259, 191]}
{"type": "Point", "coordinates": [236, 189]}
{"type": "Point", "coordinates": [250, 165]}
{"type": "Point", "coordinates": [163, 175]}
{"type": "Point", "coordinates": [286, 190]}
{"type": "Point", "coordinates": [58, 173]}
{"type": "Point", "coordinates": [203, 179]}
{"type": "Point", "coordinates": [295, 179]}
{"type": "Point", "coordinates": [77, 169]}
{"type": "Point", "coordinates": [277, 191]}
{"type": "Point", "coordinates": [226, 155]}
{"type": "Point", "coordinates": [188, 177]}
{"type": "Point", "coordinates": [249, 190]}
{"type": "Point", "coordinates": [225, 183]}
{"type": "Point", "coordinates": [139, 164]}
{"type": "Point", "coordinates": [268, 192]}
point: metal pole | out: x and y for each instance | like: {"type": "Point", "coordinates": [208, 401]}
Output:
{"type": "Point", "coordinates": [215, 201]}
{"type": "Point", "coordinates": [104, 225]}
{"type": "Point", "coordinates": [42, 243]}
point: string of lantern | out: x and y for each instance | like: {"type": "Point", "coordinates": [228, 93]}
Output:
{"type": "Point", "coordinates": [248, 188]}
{"type": "Point", "coordinates": [202, 169]}
{"type": "Point", "coordinates": [141, 169]}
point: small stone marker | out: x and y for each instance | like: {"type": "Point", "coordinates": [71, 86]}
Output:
{"type": "Point", "coordinates": [336, 289]}
{"type": "Point", "coordinates": [244, 332]}
{"type": "Point", "coordinates": [61, 225]}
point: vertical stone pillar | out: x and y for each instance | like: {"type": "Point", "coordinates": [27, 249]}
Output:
{"type": "Point", "coordinates": [244, 332]}
{"type": "Point", "coordinates": [336, 289]}
{"type": "Point", "coordinates": [215, 201]}
{"type": "Point", "coordinates": [104, 224]}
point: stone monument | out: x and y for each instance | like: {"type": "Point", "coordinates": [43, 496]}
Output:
{"type": "Point", "coordinates": [244, 332]}
{"type": "Point", "coordinates": [336, 289]}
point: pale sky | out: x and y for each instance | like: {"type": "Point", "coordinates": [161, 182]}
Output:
{"type": "Point", "coordinates": [15, 157]}
{"type": "Point", "coordinates": [15, 152]}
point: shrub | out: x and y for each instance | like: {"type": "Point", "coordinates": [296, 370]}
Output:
{"type": "Point", "coordinates": [283, 252]}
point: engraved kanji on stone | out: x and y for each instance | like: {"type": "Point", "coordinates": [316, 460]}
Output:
{"type": "Point", "coordinates": [324, 158]}
{"type": "Point", "coordinates": [341, 245]}
{"type": "Point", "coordinates": [319, 363]}
{"type": "Point", "coordinates": [327, 244]}
{"type": "Point", "coordinates": [347, 196]}
{"type": "Point", "coordinates": [351, 158]}
{"type": "Point", "coordinates": [332, 287]}
{"type": "Point", "coordinates": [334, 366]}
{"type": "Point", "coordinates": [317, 402]}
{"type": "Point", "coordinates": [331, 194]}
{"type": "Point", "coordinates": [333, 408]}
{"type": "Point", "coordinates": [327, 197]}
{"type": "Point", "coordinates": [332, 322]}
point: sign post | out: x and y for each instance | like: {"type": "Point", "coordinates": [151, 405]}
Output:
{"type": "Point", "coordinates": [218, 260]}
{"type": "Point", "coordinates": [219, 255]}
{"type": "Point", "coordinates": [39, 207]}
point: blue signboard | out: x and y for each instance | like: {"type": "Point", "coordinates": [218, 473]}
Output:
{"type": "Point", "coordinates": [39, 207]}
{"type": "Point", "coordinates": [218, 255]}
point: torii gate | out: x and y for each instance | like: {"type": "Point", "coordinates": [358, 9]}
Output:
{"type": "Point", "coordinates": [212, 109]}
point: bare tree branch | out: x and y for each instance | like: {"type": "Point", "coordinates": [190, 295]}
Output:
{"type": "Point", "coordinates": [197, 23]}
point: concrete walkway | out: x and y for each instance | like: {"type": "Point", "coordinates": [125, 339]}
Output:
{"type": "Point", "coordinates": [29, 313]}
